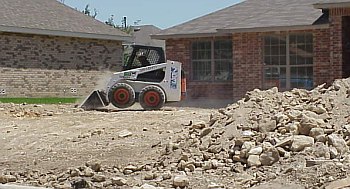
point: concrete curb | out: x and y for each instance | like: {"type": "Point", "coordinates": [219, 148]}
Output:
{"type": "Point", "coordinates": [8, 186]}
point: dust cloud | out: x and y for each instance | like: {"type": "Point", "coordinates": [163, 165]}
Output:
{"type": "Point", "coordinates": [103, 80]}
{"type": "Point", "coordinates": [203, 103]}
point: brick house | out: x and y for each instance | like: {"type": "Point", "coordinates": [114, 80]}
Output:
{"type": "Point", "coordinates": [49, 49]}
{"type": "Point", "coordinates": [262, 44]}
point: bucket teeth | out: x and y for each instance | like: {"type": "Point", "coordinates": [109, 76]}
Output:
{"type": "Point", "coordinates": [94, 101]}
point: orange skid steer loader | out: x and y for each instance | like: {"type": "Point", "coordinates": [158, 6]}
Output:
{"type": "Point", "coordinates": [146, 78]}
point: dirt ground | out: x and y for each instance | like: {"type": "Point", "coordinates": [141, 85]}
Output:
{"type": "Point", "coordinates": [270, 139]}
{"type": "Point", "coordinates": [59, 137]}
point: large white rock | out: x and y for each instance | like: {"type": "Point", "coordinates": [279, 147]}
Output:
{"type": "Point", "coordinates": [255, 151]}
{"type": "Point", "coordinates": [88, 172]}
{"type": "Point", "coordinates": [306, 124]}
{"type": "Point", "coordinates": [148, 186]}
{"type": "Point", "coordinates": [119, 181]}
{"type": "Point", "coordinates": [124, 133]}
{"type": "Point", "coordinates": [248, 145]}
{"type": "Point", "coordinates": [338, 142]}
{"type": "Point", "coordinates": [181, 181]}
{"type": "Point", "coordinates": [314, 132]}
{"type": "Point", "coordinates": [300, 142]}
{"type": "Point", "coordinates": [215, 186]}
{"type": "Point", "coordinates": [253, 160]}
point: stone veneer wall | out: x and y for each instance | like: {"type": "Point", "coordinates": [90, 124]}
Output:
{"type": "Point", "coordinates": [49, 66]}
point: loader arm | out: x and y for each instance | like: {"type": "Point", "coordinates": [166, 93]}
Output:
{"type": "Point", "coordinates": [133, 74]}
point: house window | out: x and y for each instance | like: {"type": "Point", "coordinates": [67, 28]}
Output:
{"type": "Point", "coordinates": [212, 60]}
{"type": "Point", "coordinates": [288, 61]}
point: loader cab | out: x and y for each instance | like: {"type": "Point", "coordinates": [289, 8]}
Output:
{"type": "Point", "coordinates": [150, 54]}
{"type": "Point", "coordinates": [154, 55]}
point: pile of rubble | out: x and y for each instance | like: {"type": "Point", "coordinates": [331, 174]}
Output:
{"type": "Point", "coordinates": [28, 111]}
{"type": "Point", "coordinates": [300, 135]}
{"type": "Point", "coordinates": [297, 136]}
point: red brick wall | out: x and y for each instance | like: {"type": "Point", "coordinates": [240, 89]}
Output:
{"type": "Point", "coordinates": [180, 50]}
{"type": "Point", "coordinates": [322, 65]}
{"type": "Point", "coordinates": [336, 46]}
{"type": "Point", "coordinates": [47, 66]}
{"type": "Point", "coordinates": [247, 63]}
{"type": "Point", "coordinates": [248, 60]}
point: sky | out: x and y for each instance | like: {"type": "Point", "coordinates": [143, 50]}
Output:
{"type": "Point", "coordinates": [161, 13]}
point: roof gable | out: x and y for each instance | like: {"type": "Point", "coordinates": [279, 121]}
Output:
{"type": "Point", "coordinates": [52, 17]}
{"type": "Point", "coordinates": [142, 35]}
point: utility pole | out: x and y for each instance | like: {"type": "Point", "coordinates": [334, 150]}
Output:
{"type": "Point", "coordinates": [124, 21]}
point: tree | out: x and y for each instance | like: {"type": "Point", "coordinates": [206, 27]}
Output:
{"type": "Point", "coordinates": [88, 11]}
{"type": "Point", "coordinates": [124, 27]}
{"type": "Point", "coordinates": [110, 21]}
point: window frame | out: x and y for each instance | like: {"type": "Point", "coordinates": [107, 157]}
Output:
{"type": "Point", "coordinates": [288, 66]}
{"type": "Point", "coordinates": [213, 61]}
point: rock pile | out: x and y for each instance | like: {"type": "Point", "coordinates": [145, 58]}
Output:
{"type": "Point", "coordinates": [266, 131]}
{"type": "Point", "coordinates": [31, 110]}
{"type": "Point", "coordinates": [297, 136]}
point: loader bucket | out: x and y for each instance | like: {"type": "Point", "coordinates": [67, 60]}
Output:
{"type": "Point", "coordinates": [94, 101]}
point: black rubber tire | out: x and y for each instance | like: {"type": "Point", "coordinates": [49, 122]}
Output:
{"type": "Point", "coordinates": [121, 95]}
{"type": "Point", "coordinates": [152, 98]}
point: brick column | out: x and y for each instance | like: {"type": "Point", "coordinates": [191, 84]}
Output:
{"type": "Point", "coordinates": [336, 44]}
{"type": "Point", "coordinates": [179, 50]}
{"type": "Point", "coordinates": [247, 63]}
{"type": "Point", "coordinates": [322, 65]}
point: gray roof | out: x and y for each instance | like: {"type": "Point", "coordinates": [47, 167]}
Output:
{"type": "Point", "coordinates": [332, 3]}
{"type": "Point", "coordinates": [142, 36]}
{"type": "Point", "coordinates": [249, 15]}
{"type": "Point", "coordinates": [52, 17]}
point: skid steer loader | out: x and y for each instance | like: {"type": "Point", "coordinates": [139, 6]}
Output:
{"type": "Point", "coordinates": [146, 78]}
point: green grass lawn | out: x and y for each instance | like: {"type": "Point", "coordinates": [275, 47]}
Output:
{"type": "Point", "coordinates": [39, 100]}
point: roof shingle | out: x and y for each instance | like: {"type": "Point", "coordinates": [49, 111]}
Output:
{"type": "Point", "coordinates": [332, 3]}
{"type": "Point", "coordinates": [251, 14]}
{"type": "Point", "coordinates": [51, 15]}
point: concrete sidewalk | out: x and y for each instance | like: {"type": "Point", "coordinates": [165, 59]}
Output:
{"type": "Point", "coordinates": [8, 186]}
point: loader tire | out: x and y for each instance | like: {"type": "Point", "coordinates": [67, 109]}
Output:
{"type": "Point", "coordinates": [152, 97]}
{"type": "Point", "coordinates": [121, 95]}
